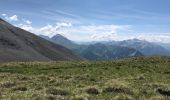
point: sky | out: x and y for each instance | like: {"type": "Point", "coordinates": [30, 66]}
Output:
{"type": "Point", "coordinates": [91, 20]}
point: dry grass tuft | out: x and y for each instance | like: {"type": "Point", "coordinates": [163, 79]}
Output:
{"type": "Point", "coordinates": [117, 87]}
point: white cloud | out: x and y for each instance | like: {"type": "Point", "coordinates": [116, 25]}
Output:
{"type": "Point", "coordinates": [108, 36]}
{"type": "Point", "coordinates": [78, 33]}
{"type": "Point", "coordinates": [3, 15]}
{"type": "Point", "coordinates": [28, 22]}
{"type": "Point", "coordinates": [98, 32]}
{"type": "Point", "coordinates": [94, 32]}
{"type": "Point", "coordinates": [100, 29]}
{"type": "Point", "coordinates": [48, 30]}
{"type": "Point", "coordinates": [151, 37]}
{"type": "Point", "coordinates": [13, 18]}
{"type": "Point", "coordinates": [27, 27]}
{"type": "Point", "coordinates": [10, 18]}
{"type": "Point", "coordinates": [155, 37]}
{"type": "Point", "coordinates": [64, 24]}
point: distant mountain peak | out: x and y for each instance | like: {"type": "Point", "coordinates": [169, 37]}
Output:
{"type": "Point", "coordinates": [59, 36]}
{"type": "Point", "coordinates": [64, 41]}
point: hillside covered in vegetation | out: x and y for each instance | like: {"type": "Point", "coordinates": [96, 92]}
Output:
{"type": "Point", "coordinates": [127, 79]}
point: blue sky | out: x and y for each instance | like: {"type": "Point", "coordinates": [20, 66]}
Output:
{"type": "Point", "coordinates": [91, 20]}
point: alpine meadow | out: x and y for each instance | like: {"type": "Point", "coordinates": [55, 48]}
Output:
{"type": "Point", "coordinates": [84, 50]}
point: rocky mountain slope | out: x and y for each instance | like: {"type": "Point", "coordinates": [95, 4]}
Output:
{"type": "Point", "coordinates": [19, 45]}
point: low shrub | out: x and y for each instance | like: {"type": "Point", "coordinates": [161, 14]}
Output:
{"type": "Point", "coordinates": [92, 90]}
{"type": "Point", "coordinates": [164, 92]}
{"type": "Point", "coordinates": [118, 90]}
{"type": "Point", "coordinates": [20, 88]}
{"type": "Point", "coordinates": [57, 91]}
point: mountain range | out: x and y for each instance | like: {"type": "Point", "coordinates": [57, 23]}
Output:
{"type": "Point", "coordinates": [113, 49]}
{"type": "Point", "coordinates": [101, 51]}
{"type": "Point", "coordinates": [19, 45]}
{"type": "Point", "coordinates": [145, 47]}
{"type": "Point", "coordinates": [95, 51]}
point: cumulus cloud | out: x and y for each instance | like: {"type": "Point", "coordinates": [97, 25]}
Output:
{"type": "Point", "coordinates": [13, 18]}
{"type": "Point", "coordinates": [151, 37]}
{"type": "Point", "coordinates": [100, 29]}
{"type": "Point", "coordinates": [26, 27]}
{"type": "Point", "coordinates": [63, 24]}
{"type": "Point", "coordinates": [27, 21]}
{"type": "Point", "coordinates": [100, 32]}
{"type": "Point", "coordinates": [155, 37]}
{"type": "Point", "coordinates": [108, 36]}
{"type": "Point", "coordinates": [51, 30]}
{"type": "Point", "coordinates": [48, 30]}
{"type": "Point", "coordinates": [79, 33]}
{"type": "Point", "coordinates": [95, 32]}
{"type": "Point", "coordinates": [10, 18]}
{"type": "Point", "coordinates": [3, 15]}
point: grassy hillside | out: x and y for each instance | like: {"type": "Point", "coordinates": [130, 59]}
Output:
{"type": "Point", "coordinates": [128, 79]}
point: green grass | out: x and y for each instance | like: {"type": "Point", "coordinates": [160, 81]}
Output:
{"type": "Point", "coordinates": [126, 79]}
